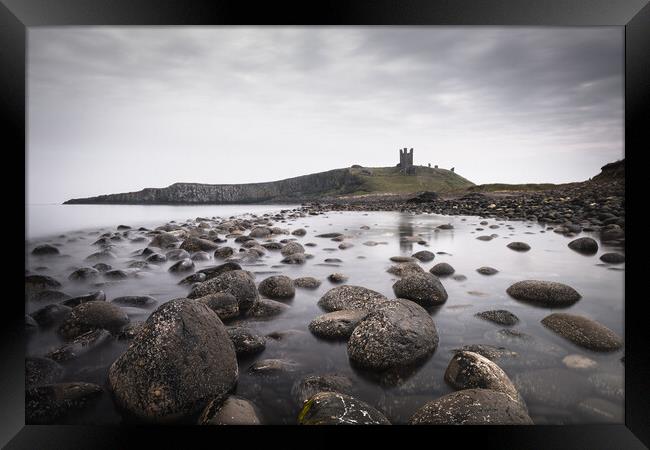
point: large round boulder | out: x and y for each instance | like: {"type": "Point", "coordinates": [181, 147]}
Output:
{"type": "Point", "coordinates": [396, 334]}
{"type": "Point", "coordinates": [584, 332]}
{"type": "Point", "coordinates": [423, 288]}
{"type": "Point", "coordinates": [442, 269]}
{"type": "Point", "coordinates": [195, 244]}
{"type": "Point", "coordinates": [472, 407]}
{"type": "Point", "coordinates": [278, 287]}
{"type": "Point", "coordinates": [351, 297]}
{"type": "Point", "coordinates": [334, 408]}
{"type": "Point", "coordinates": [181, 359]}
{"type": "Point", "coordinates": [91, 316]}
{"type": "Point", "coordinates": [544, 293]}
{"type": "Point", "coordinates": [239, 283]}
{"type": "Point", "coordinates": [585, 245]}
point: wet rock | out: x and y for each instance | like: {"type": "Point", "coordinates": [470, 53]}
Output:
{"type": "Point", "coordinates": [232, 411]}
{"type": "Point", "coordinates": [299, 232]}
{"type": "Point", "coordinates": [116, 274]}
{"type": "Point", "coordinates": [584, 245]}
{"type": "Point", "coordinates": [177, 254]}
{"type": "Point", "coordinates": [139, 301]}
{"type": "Point", "coordinates": [246, 341]}
{"type": "Point", "coordinates": [273, 367]}
{"type": "Point", "coordinates": [180, 360]}
{"type": "Point", "coordinates": [345, 245]}
{"type": "Point", "coordinates": [96, 296]}
{"type": "Point", "coordinates": [36, 283]}
{"type": "Point", "coordinates": [518, 246]}
{"type": "Point", "coordinates": [130, 330]}
{"type": "Point", "coordinates": [156, 258]}
{"type": "Point", "coordinates": [103, 267]}
{"type": "Point", "coordinates": [351, 297]}
{"type": "Point", "coordinates": [337, 277]}
{"type": "Point", "coordinates": [225, 305]}
{"type": "Point", "coordinates": [295, 258]}
{"type": "Point", "coordinates": [182, 266]}
{"type": "Point", "coordinates": [223, 252]}
{"type": "Point", "coordinates": [265, 308]}
{"type": "Point", "coordinates": [47, 403]}
{"type": "Point", "coordinates": [194, 278]}
{"type": "Point", "coordinates": [329, 235]}
{"type": "Point", "coordinates": [334, 408]}
{"type": "Point", "coordinates": [79, 345]}
{"type": "Point", "coordinates": [302, 390]}
{"type": "Point", "coordinates": [236, 282]}
{"type": "Point", "coordinates": [487, 270]}
{"type": "Point", "coordinates": [424, 256]}
{"type": "Point", "coordinates": [277, 287]}
{"type": "Point", "coordinates": [51, 315]}
{"type": "Point", "coordinates": [468, 370]}
{"type": "Point", "coordinates": [201, 256]}
{"type": "Point", "coordinates": [584, 332]}
{"type": "Point", "coordinates": [404, 269]}
{"type": "Point", "coordinates": [459, 277]}
{"type": "Point", "coordinates": [337, 324]}
{"type": "Point", "coordinates": [489, 351]}
{"type": "Point", "coordinates": [90, 316]}
{"type": "Point", "coordinates": [260, 232]}
{"type": "Point", "coordinates": [45, 250]}
{"type": "Point", "coordinates": [612, 258]}
{"type": "Point", "coordinates": [579, 362]}
{"type": "Point", "coordinates": [50, 296]}
{"type": "Point", "coordinates": [292, 248]}
{"type": "Point", "coordinates": [402, 259]}
{"type": "Point", "coordinates": [442, 269]}
{"type": "Point", "coordinates": [485, 238]}
{"type": "Point", "coordinates": [423, 288]}
{"type": "Point", "coordinates": [39, 371]}
{"type": "Point", "coordinates": [101, 255]}
{"type": "Point", "coordinates": [398, 333]}
{"type": "Point", "coordinates": [544, 293]}
{"type": "Point", "coordinates": [307, 283]}
{"type": "Point", "coordinates": [500, 316]}
{"type": "Point", "coordinates": [195, 244]}
{"type": "Point", "coordinates": [472, 407]}
{"type": "Point", "coordinates": [215, 271]}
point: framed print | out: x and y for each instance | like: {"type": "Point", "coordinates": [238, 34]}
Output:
{"type": "Point", "coordinates": [271, 217]}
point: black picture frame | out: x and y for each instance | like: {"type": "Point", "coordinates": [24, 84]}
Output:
{"type": "Point", "coordinates": [18, 15]}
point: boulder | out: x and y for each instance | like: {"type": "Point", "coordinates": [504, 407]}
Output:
{"type": "Point", "coordinates": [398, 333]}
{"type": "Point", "coordinates": [584, 332]}
{"type": "Point", "coordinates": [195, 244]}
{"type": "Point", "coordinates": [351, 297]}
{"type": "Point", "coordinates": [225, 305]}
{"type": "Point", "coordinates": [305, 388]}
{"type": "Point", "coordinates": [423, 288]}
{"type": "Point", "coordinates": [442, 269]}
{"type": "Point", "coordinates": [334, 408]}
{"type": "Point", "coordinates": [236, 282]}
{"type": "Point", "coordinates": [500, 316]}
{"type": "Point", "coordinates": [278, 287]}
{"type": "Point", "coordinates": [232, 411]}
{"type": "Point", "coordinates": [45, 250]}
{"type": "Point", "coordinates": [544, 293]}
{"type": "Point", "coordinates": [181, 359]}
{"type": "Point", "coordinates": [585, 245]}
{"type": "Point", "coordinates": [246, 341]}
{"type": "Point", "coordinates": [424, 255]}
{"type": "Point", "coordinates": [337, 324]}
{"type": "Point", "coordinates": [47, 403]}
{"type": "Point", "coordinates": [90, 316]}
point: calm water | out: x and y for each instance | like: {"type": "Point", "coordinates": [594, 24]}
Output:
{"type": "Point", "coordinates": [550, 259]}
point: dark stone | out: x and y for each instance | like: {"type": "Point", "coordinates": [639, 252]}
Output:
{"type": "Point", "coordinates": [116, 274]}
{"type": "Point", "coordinates": [294, 258]}
{"type": "Point", "coordinates": [177, 254]}
{"type": "Point", "coordinates": [351, 297]}
{"type": "Point", "coordinates": [215, 271]}
{"type": "Point", "coordinates": [307, 283]}
{"type": "Point", "coordinates": [225, 305]}
{"type": "Point", "coordinates": [90, 316]}
{"type": "Point", "coordinates": [156, 258]}
{"type": "Point", "coordinates": [102, 267]}
{"type": "Point", "coordinates": [39, 371]}
{"type": "Point", "coordinates": [518, 246]}
{"type": "Point", "coordinates": [182, 266]}
{"type": "Point", "coordinates": [337, 277]}
{"type": "Point", "coordinates": [302, 390]}
{"type": "Point", "coordinates": [544, 293]}
{"type": "Point", "coordinates": [500, 316]}
{"type": "Point", "coordinates": [585, 245]}
{"type": "Point", "coordinates": [398, 333]}
{"type": "Point", "coordinates": [584, 332]}
{"type": "Point", "coordinates": [442, 269]}
{"type": "Point", "coordinates": [424, 255]}
{"type": "Point", "coordinates": [334, 408]}
{"type": "Point", "coordinates": [180, 360]}
{"type": "Point", "coordinates": [195, 244]}
{"type": "Point", "coordinates": [194, 278]}
{"type": "Point", "coordinates": [265, 308]}
{"type": "Point", "coordinates": [51, 315]}
{"type": "Point", "coordinates": [223, 252]}
{"type": "Point", "coordinates": [246, 341]}
{"type": "Point", "coordinates": [97, 296]}
{"type": "Point", "coordinates": [472, 407]}
{"type": "Point", "coordinates": [612, 258]}
{"type": "Point", "coordinates": [49, 296]}
{"type": "Point", "coordinates": [337, 324]}
{"type": "Point", "coordinates": [423, 288]}
{"type": "Point", "coordinates": [139, 301]}
{"type": "Point", "coordinates": [232, 411]}
{"type": "Point", "coordinates": [164, 240]}
{"type": "Point", "coordinates": [236, 282]}
{"type": "Point", "coordinates": [45, 249]}
{"type": "Point", "coordinates": [487, 270]}
{"type": "Point", "coordinates": [79, 345]}
{"type": "Point", "coordinates": [292, 248]}
{"type": "Point", "coordinates": [278, 287]}
{"type": "Point", "coordinates": [47, 403]}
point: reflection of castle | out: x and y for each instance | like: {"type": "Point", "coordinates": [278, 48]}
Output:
{"type": "Point", "coordinates": [406, 161]}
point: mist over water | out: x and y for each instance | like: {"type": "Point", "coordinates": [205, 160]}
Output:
{"type": "Point", "coordinates": [73, 228]}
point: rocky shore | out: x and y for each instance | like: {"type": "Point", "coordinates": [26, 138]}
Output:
{"type": "Point", "coordinates": [183, 363]}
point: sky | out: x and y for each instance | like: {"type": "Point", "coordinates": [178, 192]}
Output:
{"type": "Point", "coordinates": [118, 109]}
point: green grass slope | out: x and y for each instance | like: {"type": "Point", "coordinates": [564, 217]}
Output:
{"type": "Point", "coordinates": [388, 180]}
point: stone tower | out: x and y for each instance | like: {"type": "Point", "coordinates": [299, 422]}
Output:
{"type": "Point", "coordinates": [406, 161]}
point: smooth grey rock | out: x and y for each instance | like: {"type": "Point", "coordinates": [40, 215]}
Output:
{"type": "Point", "coordinates": [90, 316]}
{"type": "Point", "coordinates": [544, 293]}
{"type": "Point", "coordinates": [518, 246]}
{"type": "Point", "coordinates": [278, 287]}
{"type": "Point", "coordinates": [423, 288]}
{"type": "Point", "coordinates": [442, 269]}
{"type": "Point", "coordinates": [337, 324]}
{"type": "Point", "coordinates": [585, 245]}
{"type": "Point", "coordinates": [232, 411]}
{"type": "Point", "coordinates": [584, 332]}
{"type": "Point", "coordinates": [424, 255]}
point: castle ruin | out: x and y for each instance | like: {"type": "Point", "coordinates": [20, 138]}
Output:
{"type": "Point", "coordinates": [405, 165]}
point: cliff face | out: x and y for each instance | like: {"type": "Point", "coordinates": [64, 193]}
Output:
{"type": "Point", "coordinates": [333, 182]}
{"type": "Point", "coordinates": [612, 171]}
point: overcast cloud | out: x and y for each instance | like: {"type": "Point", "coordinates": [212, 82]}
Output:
{"type": "Point", "coordinates": [120, 109]}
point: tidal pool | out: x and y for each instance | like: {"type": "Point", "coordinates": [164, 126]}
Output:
{"type": "Point", "coordinates": [554, 393]}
